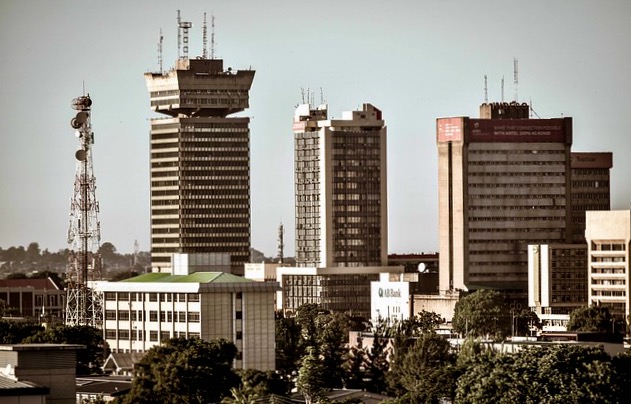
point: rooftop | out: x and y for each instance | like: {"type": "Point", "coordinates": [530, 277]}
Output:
{"type": "Point", "coordinates": [197, 277]}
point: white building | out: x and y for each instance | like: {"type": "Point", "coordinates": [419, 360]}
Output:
{"type": "Point", "coordinates": [608, 234]}
{"type": "Point", "coordinates": [389, 300]}
{"type": "Point", "coordinates": [142, 312]}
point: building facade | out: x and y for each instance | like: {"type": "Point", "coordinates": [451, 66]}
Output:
{"type": "Point", "coordinates": [503, 183]}
{"type": "Point", "coordinates": [608, 234]}
{"type": "Point", "coordinates": [590, 188]}
{"type": "Point", "coordinates": [142, 312]}
{"type": "Point", "coordinates": [41, 298]}
{"type": "Point", "coordinates": [557, 282]}
{"type": "Point", "coordinates": [340, 188]}
{"type": "Point", "coordinates": [200, 162]}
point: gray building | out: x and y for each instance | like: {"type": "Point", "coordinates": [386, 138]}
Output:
{"type": "Point", "coordinates": [340, 188]}
{"type": "Point", "coordinates": [503, 183]}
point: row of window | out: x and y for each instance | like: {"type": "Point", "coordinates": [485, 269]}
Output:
{"type": "Point", "coordinates": [151, 297]}
{"type": "Point", "coordinates": [611, 293]}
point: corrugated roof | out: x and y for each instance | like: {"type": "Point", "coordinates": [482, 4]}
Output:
{"type": "Point", "coordinates": [10, 387]}
{"type": "Point", "coordinates": [197, 277]}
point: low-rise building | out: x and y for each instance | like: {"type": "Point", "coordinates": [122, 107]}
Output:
{"type": "Point", "coordinates": [34, 297]}
{"type": "Point", "coordinates": [143, 311]}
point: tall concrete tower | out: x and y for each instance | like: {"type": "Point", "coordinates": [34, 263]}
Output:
{"type": "Point", "coordinates": [200, 162]}
{"type": "Point", "coordinates": [503, 183]}
{"type": "Point", "coordinates": [340, 188]}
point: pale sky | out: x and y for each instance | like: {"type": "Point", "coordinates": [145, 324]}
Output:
{"type": "Point", "coordinates": [416, 60]}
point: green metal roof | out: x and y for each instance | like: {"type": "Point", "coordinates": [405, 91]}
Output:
{"type": "Point", "coordinates": [196, 277]}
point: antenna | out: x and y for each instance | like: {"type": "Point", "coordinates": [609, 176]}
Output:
{"type": "Point", "coordinates": [204, 39]}
{"type": "Point", "coordinates": [182, 36]}
{"type": "Point", "coordinates": [212, 36]}
{"type": "Point", "coordinates": [302, 93]}
{"type": "Point", "coordinates": [160, 51]}
{"type": "Point", "coordinates": [179, 35]}
{"type": "Point", "coordinates": [486, 90]}
{"type": "Point", "coordinates": [321, 96]}
{"type": "Point", "coordinates": [515, 76]}
{"type": "Point", "coordinates": [502, 88]}
{"type": "Point", "coordinates": [281, 242]}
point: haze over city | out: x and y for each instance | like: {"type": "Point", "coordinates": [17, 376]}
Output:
{"type": "Point", "coordinates": [414, 60]}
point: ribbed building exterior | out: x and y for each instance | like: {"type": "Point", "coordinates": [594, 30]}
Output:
{"type": "Point", "coordinates": [504, 183]}
{"type": "Point", "coordinates": [200, 162]}
{"type": "Point", "coordinates": [590, 188]}
{"type": "Point", "coordinates": [340, 188]}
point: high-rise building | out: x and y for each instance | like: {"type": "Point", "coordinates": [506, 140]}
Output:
{"type": "Point", "coordinates": [608, 235]}
{"type": "Point", "coordinates": [503, 183]}
{"type": "Point", "coordinates": [200, 162]}
{"type": "Point", "coordinates": [590, 188]}
{"type": "Point", "coordinates": [340, 188]}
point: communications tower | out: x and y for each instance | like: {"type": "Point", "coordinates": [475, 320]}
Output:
{"type": "Point", "coordinates": [83, 303]}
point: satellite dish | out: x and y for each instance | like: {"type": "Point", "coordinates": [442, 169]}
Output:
{"type": "Point", "coordinates": [422, 267]}
{"type": "Point", "coordinates": [81, 155]}
{"type": "Point", "coordinates": [82, 117]}
{"type": "Point", "coordinates": [75, 124]}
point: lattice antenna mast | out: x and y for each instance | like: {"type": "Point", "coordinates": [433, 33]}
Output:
{"type": "Point", "coordinates": [84, 305]}
{"type": "Point", "coordinates": [281, 243]}
{"type": "Point", "coordinates": [516, 77]}
{"type": "Point", "coordinates": [205, 39]}
{"type": "Point", "coordinates": [160, 51]}
{"type": "Point", "coordinates": [502, 88]}
{"type": "Point", "coordinates": [486, 90]}
{"type": "Point", "coordinates": [182, 36]}
{"type": "Point", "coordinates": [212, 36]}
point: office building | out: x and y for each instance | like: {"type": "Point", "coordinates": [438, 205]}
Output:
{"type": "Point", "coordinates": [557, 282]}
{"type": "Point", "coordinates": [503, 183]}
{"type": "Point", "coordinates": [340, 188]}
{"type": "Point", "coordinates": [142, 312]}
{"type": "Point", "coordinates": [608, 234]}
{"type": "Point", "coordinates": [200, 162]}
{"type": "Point", "coordinates": [590, 188]}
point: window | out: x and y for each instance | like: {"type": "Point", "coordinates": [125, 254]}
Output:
{"type": "Point", "coordinates": [110, 295]}
{"type": "Point", "coordinates": [193, 297]}
{"type": "Point", "coordinates": [110, 334]}
{"type": "Point", "coordinates": [239, 335]}
{"type": "Point", "coordinates": [123, 334]}
{"type": "Point", "coordinates": [153, 315]}
{"type": "Point", "coordinates": [238, 315]}
{"type": "Point", "coordinates": [153, 297]}
{"type": "Point", "coordinates": [181, 317]}
{"type": "Point", "coordinates": [110, 314]}
{"type": "Point", "coordinates": [123, 315]}
{"type": "Point", "coordinates": [153, 336]}
{"type": "Point", "coordinates": [164, 335]}
{"type": "Point", "coordinates": [193, 317]}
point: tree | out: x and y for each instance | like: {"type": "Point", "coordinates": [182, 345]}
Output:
{"type": "Point", "coordinates": [332, 340]}
{"type": "Point", "coordinates": [15, 332]}
{"type": "Point", "coordinates": [482, 314]}
{"type": "Point", "coordinates": [306, 318]}
{"type": "Point", "coordinates": [89, 360]}
{"type": "Point", "coordinates": [591, 318]}
{"type": "Point", "coordinates": [355, 367]}
{"type": "Point", "coordinates": [544, 374]}
{"type": "Point", "coordinates": [310, 381]}
{"type": "Point", "coordinates": [288, 346]}
{"type": "Point", "coordinates": [32, 252]}
{"type": "Point", "coordinates": [185, 371]}
{"type": "Point", "coordinates": [377, 364]}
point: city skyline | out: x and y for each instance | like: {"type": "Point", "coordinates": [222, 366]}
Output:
{"type": "Point", "coordinates": [415, 62]}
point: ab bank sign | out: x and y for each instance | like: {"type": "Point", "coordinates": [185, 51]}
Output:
{"type": "Point", "coordinates": [390, 300]}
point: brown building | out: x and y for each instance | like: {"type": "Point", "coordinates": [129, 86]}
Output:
{"type": "Point", "coordinates": [200, 162]}
{"type": "Point", "coordinates": [504, 183]}
{"type": "Point", "coordinates": [41, 298]}
{"type": "Point", "coordinates": [590, 188]}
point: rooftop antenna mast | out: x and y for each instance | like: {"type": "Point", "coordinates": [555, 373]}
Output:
{"type": "Point", "coordinates": [502, 88]}
{"type": "Point", "coordinates": [160, 51]}
{"type": "Point", "coordinates": [205, 39]}
{"type": "Point", "coordinates": [486, 91]}
{"type": "Point", "coordinates": [212, 36]}
{"type": "Point", "coordinates": [182, 37]}
{"type": "Point", "coordinates": [515, 76]}
{"type": "Point", "coordinates": [321, 96]}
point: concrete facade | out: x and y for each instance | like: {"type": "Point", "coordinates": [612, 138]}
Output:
{"type": "Point", "coordinates": [141, 312]}
{"type": "Point", "coordinates": [340, 188]}
{"type": "Point", "coordinates": [40, 298]}
{"type": "Point", "coordinates": [591, 188]}
{"type": "Point", "coordinates": [557, 282]}
{"type": "Point", "coordinates": [200, 162]}
{"type": "Point", "coordinates": [608, 236]}
{"type": "Point", "coordinates": [52, 366]}
{"type": "Point", "coordinates": [503, 182]}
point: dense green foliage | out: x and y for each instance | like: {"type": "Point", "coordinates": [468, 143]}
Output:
{"type": "Point", "coordinates": [311, 381]}
{"type": "Point", "coordinates": [482, 314]}
{"type": "Point", "coordinates": [592, 318]}
{"type": "Point", "coordinates": [185, 371]}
